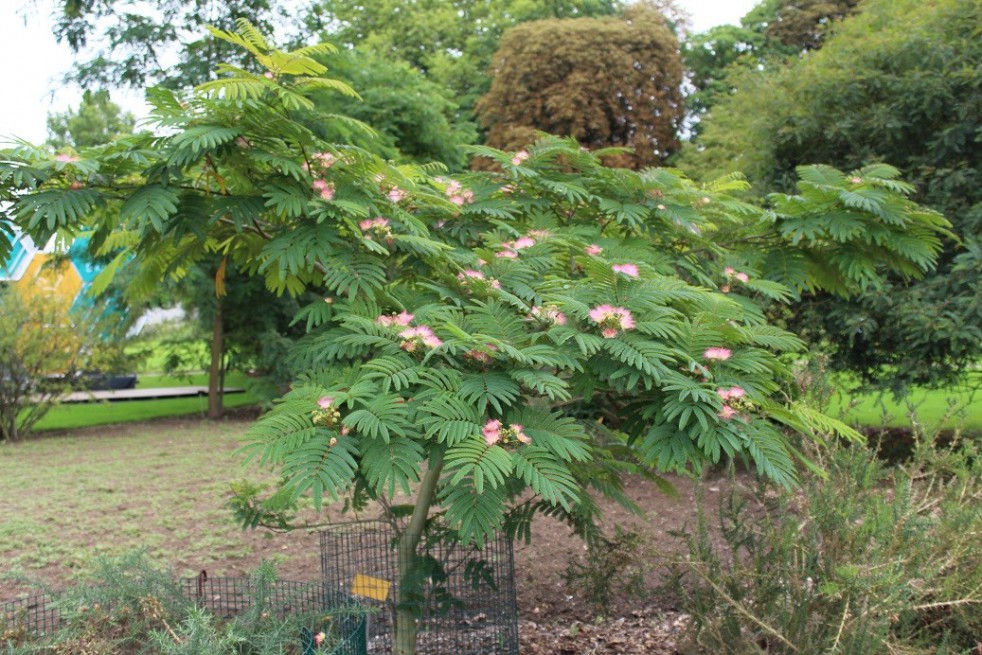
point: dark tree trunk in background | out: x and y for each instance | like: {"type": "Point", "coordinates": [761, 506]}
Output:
{"type": "Point", "coordinates": [215, 375]}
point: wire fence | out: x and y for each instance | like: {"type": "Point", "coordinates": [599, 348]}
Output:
{"type": "Point", "coordinates": [463, 596]}
{"type": "Point", "coordinates": [226, 598]}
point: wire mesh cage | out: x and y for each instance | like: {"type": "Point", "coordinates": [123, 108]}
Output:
{"type": "Point", "coordinates": [463, 596]}
{"type": "Point", "coordinates": [226, 598]}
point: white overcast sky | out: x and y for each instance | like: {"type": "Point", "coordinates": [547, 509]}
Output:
{"type": "Point", "coordinates": [32, 63]}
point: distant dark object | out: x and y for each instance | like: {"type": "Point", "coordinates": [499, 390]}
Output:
{"type": "Point", "coordinates": [106, 382]}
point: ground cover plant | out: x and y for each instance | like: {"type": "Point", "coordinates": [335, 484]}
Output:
{"type": "Point", "coordinates": [873, 558]}
{"type": "Point", "coordinates": [546, 328]}
{"type": "Point", "coordinates": [127, 608]}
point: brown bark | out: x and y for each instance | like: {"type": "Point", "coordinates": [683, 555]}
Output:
{"type": "Point", "coordinates": [216, 391]}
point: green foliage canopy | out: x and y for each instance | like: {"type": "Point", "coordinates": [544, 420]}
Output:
{"type": "Point", "coordinates": [770, 33]}
{"type": "Point", "coordinates": [129, 40]}
{"type": "Point", "coordinates": [452, 41]}
{"type": "Point", "coordinates": [97, 120]}
{"type": "Point", "coordinates": [899, 82]}
{"type": "Point", "coordinates": [569, 322]}
{"type": "Point", "coordinates": [413, 117]}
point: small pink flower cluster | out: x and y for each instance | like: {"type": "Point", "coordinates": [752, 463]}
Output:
{"type": "Point", "coordinates": [731, 393]}
{"type": "Point", "coordinates": [66, 159]}
{"type": "Point", "coordinates": [402, 319]}
{"type": "Point", "coordinates": [630, 270]}
{"type": "Point", "coordinates": [484, 356]}
{"type": "Point", "coordinates": [319, 639]}
{"type": "Point", "coordinates": [733, 274]}
{"type": "Point", "coordinates": [612, 320]}
{"type": "Point", "coordinates": [413, 337]}
{"type": "Point", "coordinates": [395, 194]}
{"type": "Point", "coordinates": [324, 159]}
{"type": "Point", "coordinates": [511, 248]}
{"type": "Point", "coordinates": [471, 274]}
{"type": "Point", "coordinates": [856, 180]}
{"type": "Point", "coordinates": [519, 157]}
{"type": "Point", "coordinates": [593, 250]}
{"type": "Point", "coordinates": [732, 396]}
{"type": "Point", "coordinates": [717, 354]}
{"type": "Point", "coordinates": [378, 226]}
{"type": "Point", "coordinates": [458, 195]}
{"type": "Point", "coordinates": [495, 432]}
{"type": "Point", "coordinates": [324, 189]}
{"type": "Point", "coordinates": [547, 315]}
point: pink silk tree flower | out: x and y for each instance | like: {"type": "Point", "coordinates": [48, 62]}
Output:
{"type": "Point", "coordinates": [629, 270]}
{"type": "Point", "coordinates": [612, 319]}
{"type": "Point", "coordinates": [519, 432]}
{"type": "Point", "coordinates": [324, 188]}
{"type": "Point", "coordinates": [593, 250]}
{"type": "Point", "coordinates": [717, 354]}
{"type": "Point", "coordinates": [727, 413]}
{"type": "Point", "coordinates": [325, 159]}
{"type": "Point", "coordinates": [414, 336]}
{"type": "Point", "coordinates": [519, 157]}
{"type": "Point", "coordinates": [492, 432]}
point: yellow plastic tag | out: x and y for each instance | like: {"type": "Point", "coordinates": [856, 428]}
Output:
{"type": "Point", "coordinates": [370, 587]}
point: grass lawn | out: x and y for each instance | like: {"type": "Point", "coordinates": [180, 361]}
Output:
{"type": "Point", "coordinates": [161, 486]}
{"type": "Point", "coordinates": [64, 417]}
{"type": "Point", "coordinates": [954, 408]}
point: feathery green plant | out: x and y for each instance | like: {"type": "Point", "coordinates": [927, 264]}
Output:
{"type": "Point", "coordinates": [498, 344]}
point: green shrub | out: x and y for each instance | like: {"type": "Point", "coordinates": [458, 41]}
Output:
{"type": "Point", "coordinates": [45, 347]}
{"type": "Point", "coordinates": [613, 566]}
{"type": "Point", "coordinates": [873, 559]}
{"type": "Point", "coordinates": [130, 608]}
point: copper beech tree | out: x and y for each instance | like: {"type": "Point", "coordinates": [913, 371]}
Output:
{"type": "Point", "coordinates": [492, 345]}
{"type": "Point", "coordinates": [613, 81]}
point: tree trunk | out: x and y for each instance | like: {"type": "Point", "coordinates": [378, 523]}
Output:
{"type": "Point", "coordinates": [407, 625]}
{"type": "Point", "coordinates": [215, 386]}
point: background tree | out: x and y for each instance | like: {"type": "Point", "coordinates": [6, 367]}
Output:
{"type": "Point", "coordinates": [451, 41]}
{"type": "Point", "coordinates": [97, 120]}
{"type": "Point", "coordinates": [133, 44]}
{"type": "Point", "coordinates": [898, 82]}
{"type": "Point", "coordinates": [800, 24]}
{"type": "Point", "coordinates": [769, 34]}
{"type": "Point", "coordinates": [413, 118]}
{"type": "Point", "coordinates": [44, 349]}
{"type": "Point", "coordinates": [603, 81]}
